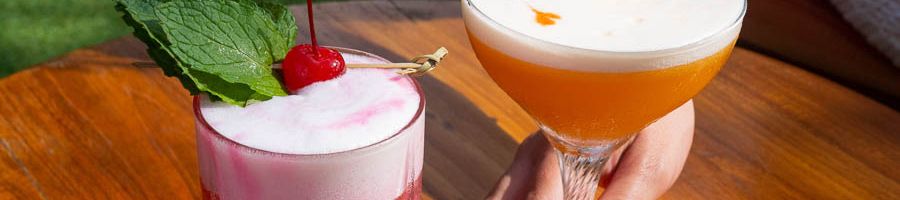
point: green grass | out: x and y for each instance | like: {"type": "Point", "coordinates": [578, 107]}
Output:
{"type": "Point", "coordinates": [36, 30]}
{"type": "Point", "coordinates": [32, 31]}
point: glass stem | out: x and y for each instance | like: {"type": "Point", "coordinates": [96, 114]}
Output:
{"type": "Point", "coordinates": [580, 174]}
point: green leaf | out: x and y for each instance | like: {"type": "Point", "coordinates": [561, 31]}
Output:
{"type": "Point", "coordinates": [224, 48]}
{"type": "Point", "coordinates": [140, 15]}
{"type": "Point", "coordinates": [234, 41]}
{"type": "Point", "coordinates": [284, 23]}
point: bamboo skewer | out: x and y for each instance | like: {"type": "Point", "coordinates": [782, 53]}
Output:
{"type": "Point", "coordinates": [417, 66]}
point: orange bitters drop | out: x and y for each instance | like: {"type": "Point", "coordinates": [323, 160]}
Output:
{"type": "Point", "coordinates": [544, 18]}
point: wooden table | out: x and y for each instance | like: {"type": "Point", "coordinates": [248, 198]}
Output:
{"type": "Point", "coordinates": [89, 125]}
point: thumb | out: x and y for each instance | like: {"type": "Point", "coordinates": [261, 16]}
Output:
{"type": "Point", "coordinates": [652, 163]}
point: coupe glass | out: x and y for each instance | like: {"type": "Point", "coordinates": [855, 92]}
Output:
{"type": "Point", "coordinates": [586, 115]}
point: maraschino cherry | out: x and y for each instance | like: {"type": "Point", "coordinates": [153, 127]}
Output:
{"type": "Point", "coordinates": [306, 64]}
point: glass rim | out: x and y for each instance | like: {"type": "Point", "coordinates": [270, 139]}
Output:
{"type": "Point", "coordinates": [737, 22]}
{"type": "Point", "coordinates": [419, 112]}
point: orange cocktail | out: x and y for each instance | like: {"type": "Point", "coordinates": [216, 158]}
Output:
{"type": "Point", "coordinates": [593, 73]}
{"type": "Point", "coordinates": [591, 106]}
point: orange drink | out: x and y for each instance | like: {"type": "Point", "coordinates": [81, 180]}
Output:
{"type": "Point", "coordinates": [593, 73]}
{"type": "Point", "coordinates": [596, 106]}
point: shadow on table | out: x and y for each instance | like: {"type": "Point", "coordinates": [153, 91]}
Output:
{"type": "Point", "coordinates": [465, 151]}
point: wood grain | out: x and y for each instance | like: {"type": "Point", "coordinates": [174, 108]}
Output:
{"type": "Point", "coordinates": [88, 125]}
{"type": "Point", "coordinates": [812, 34]}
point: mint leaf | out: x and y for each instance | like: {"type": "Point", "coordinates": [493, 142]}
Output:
{"type": "Point", "coordinates": [235, 41]}
{"type": "Point", "coordinates": [284, 23]}
{"type": "Point", "coordinates": [139, 14]}
{"type": "Point", "coordinates": [224, 48]}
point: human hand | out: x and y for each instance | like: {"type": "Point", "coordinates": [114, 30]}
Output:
{"type": "Point", "coordinates": [644, 169]}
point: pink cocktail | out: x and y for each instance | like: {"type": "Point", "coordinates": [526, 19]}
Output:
{"type": "Point", "coordinates": [359, 136]}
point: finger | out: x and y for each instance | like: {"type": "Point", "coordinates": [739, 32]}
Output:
{"type": "Point", "coordinates": [652, 163]}
{"type": "Point", "coordinates": [611, 163]}
{"type": "Point", "coordinates": [534, 173]}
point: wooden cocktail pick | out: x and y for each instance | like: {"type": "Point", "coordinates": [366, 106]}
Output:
{"type": "Point", "coordinates": [417, 66]}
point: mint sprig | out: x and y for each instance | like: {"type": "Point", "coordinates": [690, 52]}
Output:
{"type": "Point", "coordinates": [139, 15]}
{"type": "Point", "coordinates": [222, 47]}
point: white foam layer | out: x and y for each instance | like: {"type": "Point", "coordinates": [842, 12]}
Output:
{"type": "Point", "coordinates": [360, 108]}
{"type": "Point", "coordinates": [606, 35]}
{"type": "Point", "coordinates": [382, 171]}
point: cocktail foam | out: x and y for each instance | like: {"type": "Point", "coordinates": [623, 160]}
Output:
{"type": "Point", "coordinates": [360, 108]}
{"type": "Point", "coordinates": [606, 35]}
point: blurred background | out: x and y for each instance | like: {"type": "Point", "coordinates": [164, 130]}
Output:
{"type": "Point", "coordinates": [854, 43]}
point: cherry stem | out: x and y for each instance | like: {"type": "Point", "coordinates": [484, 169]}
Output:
{"type": "Point", "coordinates": [312, 27]}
